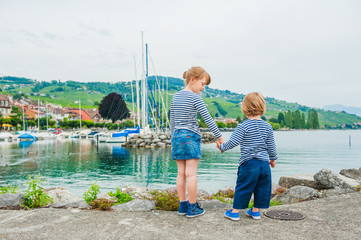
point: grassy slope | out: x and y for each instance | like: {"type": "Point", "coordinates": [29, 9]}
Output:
{"type": "Point", "coordinates": [70, 96]}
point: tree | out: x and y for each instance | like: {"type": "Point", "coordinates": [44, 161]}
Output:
{"type": "Point", "coordinates": [281, 119]}
{"type": "Point", "coordinates": [232, 125]}
{"type": "Point", "coordinates": [16, 110]}
{"type": "Point", "coordinates": [309, 120]}
{"type": "Point", "coordinates": [17, 96]}
{"type": "Point", "coordinates": [274, 120]}
{"type": "Point", "coordinates": [221, 124]}
{"type": "Point", "coordinates": [288, 119]}
{"type": "Point", "coordinates": [297, 119]}
{"type": "Point", "coordinates": [303, 121]}
{"type": "Point", "coordinates": [316, 124]}
{"type": "Point", "coordinates": [113, 107]}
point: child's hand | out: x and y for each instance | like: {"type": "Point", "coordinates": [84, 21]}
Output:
{"type": "Point", "coordinates": [220, 140]}
{"type": "Point", "coordinates": [219, 145]}
{"type": "Point", "coordinates": [272, 163]}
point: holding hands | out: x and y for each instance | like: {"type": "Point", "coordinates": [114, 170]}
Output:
{"type": "Point", "coordinates": [219, 142]}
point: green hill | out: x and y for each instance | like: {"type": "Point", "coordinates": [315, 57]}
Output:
{"type": "Point", "coordinates": [219, 102]}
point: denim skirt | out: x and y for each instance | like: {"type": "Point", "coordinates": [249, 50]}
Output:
{"type": "Point", "coordinates": [186, 145]}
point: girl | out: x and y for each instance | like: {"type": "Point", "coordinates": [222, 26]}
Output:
{"type": "Point", "coordinates": [258, 151]}
{"type": "Point", "coordinates": [186, 138]}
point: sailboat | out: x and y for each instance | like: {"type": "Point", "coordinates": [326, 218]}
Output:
{"type": "Point", "coordinates": [26, 135]}
{"type": "Point", "coordinates": [122, 136]}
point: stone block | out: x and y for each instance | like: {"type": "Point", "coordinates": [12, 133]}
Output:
{"type": "Point", "coordinates": [296, 194]}
{"type": "Point", "coordinates": [137, 205]}
{"type": "Point", "coordinates": [300, 180]}
{"type": "Point", "coordinates": [11, 199]}
{"type": "Point", "coordinates": [352, 173]}
{"type": "Point", "coordinates": [333, 180]}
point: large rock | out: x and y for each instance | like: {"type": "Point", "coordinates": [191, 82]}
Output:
{"type": "Point", "coordinates": [11, 200]}
{"type": "Point", "coordinates": [138, 192]}
{"type": "Point", "coordinates": [300, 180]}
{"type": "Point", "coordinates": [333, 180]}
{"type": "Point", "coordinates": [135, 205]}
{"type": "Point", "coordinates": [160, 144]}
{"type": "Point", "coordinates": [107, 197]}
{"type": "Point", "coordinates": [215, 204]}
{"type": "Point", "coordinates": [296, 194]}
{"type": "Point", "coordinates": [59, 194]}
{"type": "Point", "coordinates": [162, 137]}
{"type": "Point", "coordinates": [352, 173]}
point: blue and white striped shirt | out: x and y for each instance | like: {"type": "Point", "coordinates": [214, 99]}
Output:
{"type": "Point", "coordinates": [256, 140]}
{"type": "Point", "coordinates": [183, 113]}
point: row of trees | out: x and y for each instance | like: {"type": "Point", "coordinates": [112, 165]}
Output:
{"type": "Point", "coordinates": [297, 120]}
{"type": "Point", "coordinates": [289, 119]}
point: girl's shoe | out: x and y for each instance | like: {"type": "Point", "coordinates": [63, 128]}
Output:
{"type": "Point", "coordinates": [233, 216]}
{"type": "Point", "coordinates": [183, 208]}
{"type": "Point", "coordinates": [254, 215]}
{"type": "Point", "coordinates": [194, 210]}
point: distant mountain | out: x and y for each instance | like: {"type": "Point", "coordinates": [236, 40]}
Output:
{"type": "Point", "coordinates": [340, 108]}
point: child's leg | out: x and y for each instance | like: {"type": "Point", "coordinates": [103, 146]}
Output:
{"type": "Point", "coordinates": [262, 192]}
{"type": "Point", "coordinates": [246, 183]}
{"type": "Point", "coordinates": [191, 175]}
{"type": "Point", "coordinates": [181, 180]}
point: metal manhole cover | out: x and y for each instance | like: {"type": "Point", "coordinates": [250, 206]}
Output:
{"type": "Point", "coordinates": [285, 215]}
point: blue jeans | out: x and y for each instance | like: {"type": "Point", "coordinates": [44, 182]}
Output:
{"type": "Point", "coordinates": [254, 176]}
{"type": "Point", "coordinates": [186, 145]}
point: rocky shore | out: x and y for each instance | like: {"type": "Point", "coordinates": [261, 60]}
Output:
{"type": "Point", "coordinates": [153, 140]}
{"type": "Point", "coordinates": [291, 189]}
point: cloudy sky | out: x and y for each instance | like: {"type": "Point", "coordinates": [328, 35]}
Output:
{"type": "Point", "coordinates": [306, 51]}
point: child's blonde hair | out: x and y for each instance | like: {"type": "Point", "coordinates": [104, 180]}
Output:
{"type": "Point", "coordinates": [197, 73]}
{"type": "Point", "coordinates": [253, 104]}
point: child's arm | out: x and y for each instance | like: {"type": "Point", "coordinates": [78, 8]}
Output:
{"type": "Point", "coordinates": [235, 140]}
{"type": "Point", "coordinates": [201, 108]}
{"type": "Point", "coordinates": [172, 123]}
{"type": "Point", "coordinates": [271, 146]}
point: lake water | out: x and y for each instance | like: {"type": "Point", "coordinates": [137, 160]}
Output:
{"type": "Point", "coordinates": [77, 163]}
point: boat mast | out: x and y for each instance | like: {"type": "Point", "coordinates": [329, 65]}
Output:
{"type": "Point", "coordinates": [131, 85]}
{"type": "Point", "coordinates": [143, 89]}
{"type": "Point", "coordinates": [80, 112]}
{"type": "Point", "coordinates": [38, 114]}
{"type": "Point", "coordinates": [137, 89]}
{"type": "Point", "coordinates": [47, 117]}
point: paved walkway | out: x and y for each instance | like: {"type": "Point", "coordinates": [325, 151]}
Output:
{"type": "Point", "coordinates": [330, 218]}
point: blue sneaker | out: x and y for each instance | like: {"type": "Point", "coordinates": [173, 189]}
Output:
{"type": "Point", "coordinates": [233, 216]}
{"type": "Point", "coordinates": [194, 210]}
{"type": "Point", "coordinates": [254, 215]}
{"type": "Point", "coordinates": [183, 208]}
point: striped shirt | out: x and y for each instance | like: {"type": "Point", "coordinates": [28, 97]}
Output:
{"type": "Point", "coordinates": [183, 113]}
{"type": "Point", "coordinates": [256, 140]}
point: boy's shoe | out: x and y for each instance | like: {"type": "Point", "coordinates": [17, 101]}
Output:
{"type": "Point", "coordinates": [183, 208]}
{"type": "Point", "coordinates": [254, 215]}
{"type": "Point", "coordinates": [233, 216]}
{"type": "Point", "coordinates": [194, 210]}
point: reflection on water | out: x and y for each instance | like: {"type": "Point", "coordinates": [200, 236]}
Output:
{"type": "Point", "coordinates": [25, 144]}
{"type": "Point", "coordinates": [77, 163]}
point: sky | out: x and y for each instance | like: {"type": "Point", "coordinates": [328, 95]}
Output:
{"type": "Point", "coordinates": [306, 51]}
